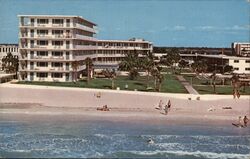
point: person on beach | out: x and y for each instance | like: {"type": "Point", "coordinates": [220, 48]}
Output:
{"type": "Point", "coordinates": [238, 94]}
{"type": "Point", "coordinates": [240, 121]}
{"type": "Point", "coordinates": [160, 105]}
{"type": "Point", "coordinates": [245, 120]}
{"type": "Point", "coordinates": [104, 108]}
{"type": "Point", "coordinates": [166, 109]}
{"type": "Point", "coordinates": [169, 105]}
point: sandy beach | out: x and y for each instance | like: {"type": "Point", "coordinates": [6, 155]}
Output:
{"type": "Point", "coordinates": [26, 101]}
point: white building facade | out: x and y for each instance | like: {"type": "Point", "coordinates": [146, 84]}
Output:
{"type": "Point", "coordinates": [240, 64]}
{"type": "Point", "coordinates": [49, 44]}
{"type": "Point", "coordinates": [241, 49]}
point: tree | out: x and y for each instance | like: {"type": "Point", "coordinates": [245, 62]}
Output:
{"type": "Point", "coordinates": [89, 65]}
{"type": "Point", "coordinates": [147, 64]}
{"type": "Point", "coordinates": [10, 63]}
{"type": "Point", "coordinates": [75, 66]}
{"type": "Point", "coordinates": [228, 69]}
{"type": "Point", "coordinates": [214, 77]}
{"type": "Point", "coordinates": [199, 66]}
{"type": "Point", "coordinates": [158, 77]}
{"type": "Point", "coordinates": [131, 63]}
{"type": "Point", "coordinates": [171, 59]}
{"type": "Point", "coordinates": [111, 75]}
{"type": "Point", "coordinates": [235, 83]}
{"type": "Point", "coordinates": [182, 64]}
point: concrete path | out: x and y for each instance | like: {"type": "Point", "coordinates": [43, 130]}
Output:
{"type": "Point", "coordinates": [187, 85]}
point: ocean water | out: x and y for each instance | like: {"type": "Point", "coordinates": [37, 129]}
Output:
{"type": "Point", "coordinates": [60, 137]}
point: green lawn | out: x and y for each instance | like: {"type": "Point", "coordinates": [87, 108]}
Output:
{"type": "Point", "coordinates": [203, 86]}
{"type": "Point", "coordinates": [170, 84]}
{"type": "Point", "coordinates": [220, 90]}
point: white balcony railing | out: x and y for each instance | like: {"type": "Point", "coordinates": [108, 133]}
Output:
{"type": "Point", "coordinates": [83, 37]}
{"type": "Point", "coordinates": [85, 47]}
{"type": "Point", "coordinates": [122, 47]}
{"type": "Point", "coordinates": [85, 28]}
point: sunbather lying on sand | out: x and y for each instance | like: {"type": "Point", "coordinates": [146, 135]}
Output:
{"type": "Point", "coordinates": [104, 108]}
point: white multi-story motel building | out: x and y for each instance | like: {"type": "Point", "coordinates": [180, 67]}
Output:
{"type": "Point", "coordinates": [48, 44]}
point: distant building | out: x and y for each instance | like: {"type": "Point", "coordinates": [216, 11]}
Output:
{"type": "Point", "coordinates": [49, 44]}
{"type": "Point", "coordinates": [241, 49]}
{"type": "Point", "coordinates": [5, 49]}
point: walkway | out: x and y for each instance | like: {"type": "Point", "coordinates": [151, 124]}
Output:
{"type": "Point", "coordinates": [187, 85]}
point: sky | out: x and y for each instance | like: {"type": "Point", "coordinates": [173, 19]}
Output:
{"type": "Point", "coordinates": [180, 23]}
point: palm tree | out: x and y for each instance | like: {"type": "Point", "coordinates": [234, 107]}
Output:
{"type": "Point", "coordinates": [182, 64]}
{"type": "Point", "coordinates": [158, 77]}
{"type": "Point", "coordinates": [111, 75]}
{"type": "Point", "coordinates": [147, 64]}
{"type": "Point", "coordinates": [75, 66]}
{"type": "Point", "coordinates": [10, 63]}
{"type": "Point", "coordinates": [89, 64]}
{"type": "Point", "coordinates": [131, 63]}
{"type": "Point", "coordinates": [199, 66]}
{"type": "Point", "coordinates": [172, 58]}
{"type": "Point", "coordinates": [213, 77]}
{"type": "Point", "coordinates": [235, 83]}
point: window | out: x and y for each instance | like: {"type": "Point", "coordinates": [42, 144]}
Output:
{"type": "Point", "coordinates": [57, 32]}
{"type": "Point", "coordinates": [42, 64]}
{"type": "Point", "coordinates": [236, 61]}
{"type": "Point", "coordinates": [60, 43]}
{"type": "Point", "coordinates": [57, 21]}
{"type": "Point", "coordinates": [247, 68]}
{"type": "Point", "coordinates": [42, 21]}
{"type": "Point", "coordinates": [247, 61]}
{"type": "Point", "coordinates": [42, 53]}
{"type": "Point", "coordinates": [42, 42]}
{"type": "Point", "coordinates": [0, 49]}
{"type": "Point", "coordinates": [57, 75]}
{"type": "Point", "coordinates": [42, 31]}
{"type": "Point", "coordinates": [42, 75]}
{"type": "Point", "coordinates": [57, 53]}
{"type": "Point", "coordinates": [236, 68]}
{"type": "Point", "coordinates": [57, 64]}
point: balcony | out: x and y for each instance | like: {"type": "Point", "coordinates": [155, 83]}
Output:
{"type": "Point", "coordinates": [85, 47]}
{"type": "Point", "coordinates": [110, 55]}
{"type": "Point", "coordinates": [57, 25]}
{"type": "Point", "coordinates": [121, 48]}
{"type": "Point", "coordinates": [49, 69]}
{"type": "Point", "coordinates": [82, 27]}
{"type": "Point", "coordinates": [106, 63]}
{"type": "Point", "coordinates": [83, 37]}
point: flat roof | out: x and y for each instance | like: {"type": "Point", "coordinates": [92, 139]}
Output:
{"type": "Point", "coordinates": [126, 41]}
{"type": "Point", "coordinates": [58, 16]}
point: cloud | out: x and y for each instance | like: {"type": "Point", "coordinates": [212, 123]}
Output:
{"type": "Point", "coordinates": [179, 27]}
{"type": "Point", "coordinates": [227, 28]}
{"type": "Point", "coordinates": [237, 27]}
{"type": "Point", "coordinates": [174, 28]}
{"type": "Point", "coordinates": [208, 27]}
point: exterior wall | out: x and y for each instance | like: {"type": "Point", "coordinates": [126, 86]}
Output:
{"type": "Point", "coordinates": [241, 49]}
{"type": "Point", "coordinates": [240, 65]}
{"type": "Point", "coordinates": [6, 48]}
{"type": "Point", "coordinates": [74, 37]}
{"type": "Point", "coordinates": [111, 52]}
{"type": "Point", "coordinates": [49, 44]}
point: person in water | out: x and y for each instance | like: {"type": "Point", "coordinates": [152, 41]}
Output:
{"type": "Point", "coordinates": [245, 120]}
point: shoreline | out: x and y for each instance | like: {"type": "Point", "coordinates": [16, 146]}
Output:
{"type": "Point", "coordinates": [17, 101]}
{"type": "Point", "coordinates": [36, 112]}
